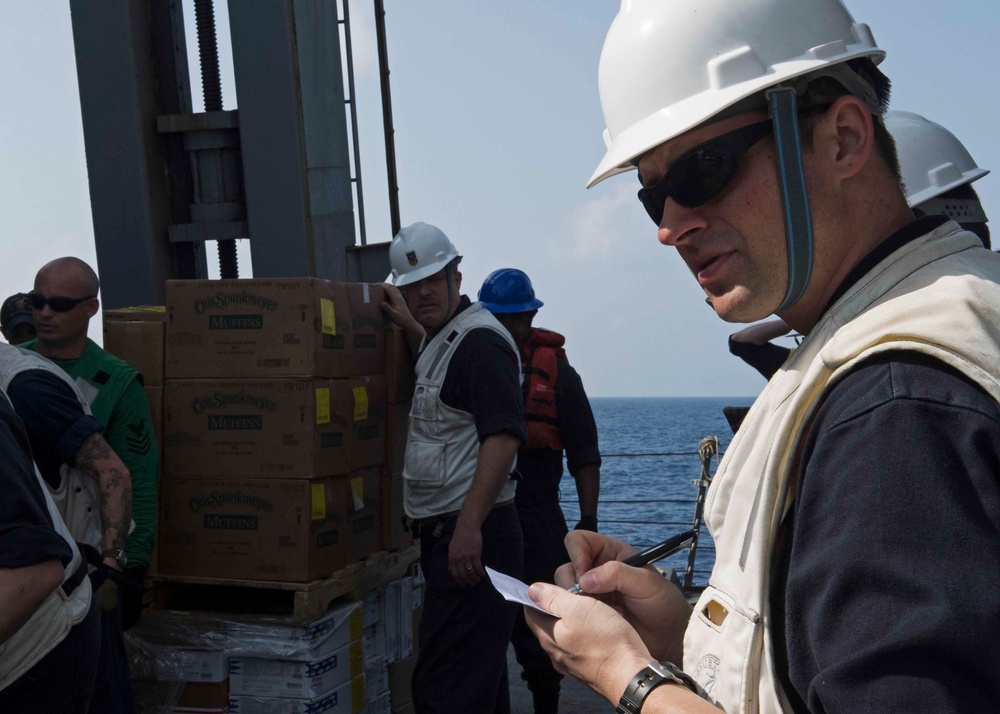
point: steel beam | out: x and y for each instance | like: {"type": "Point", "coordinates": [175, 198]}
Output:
{"type": "Point", "coordinates": [131, 67]}
{"type": "Point", "coordinates": [293, 134]}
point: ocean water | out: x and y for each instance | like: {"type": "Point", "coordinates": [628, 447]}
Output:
{"type": "Point", "coordinates": [650, 461]}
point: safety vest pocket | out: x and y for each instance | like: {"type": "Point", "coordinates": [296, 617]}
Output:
{"type": "Point", "coordinates": [721, 649]}
{"type": "Point", "coordinates": [426, 462]}
{"type": "Point", "coordinates": [425, 416]}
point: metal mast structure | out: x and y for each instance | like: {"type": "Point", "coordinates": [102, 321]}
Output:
{"type": "Point", "coordinates": [164, 179]}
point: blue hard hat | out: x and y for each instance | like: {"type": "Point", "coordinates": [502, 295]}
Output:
{"type": "Point", "coordinates": [508, 290]}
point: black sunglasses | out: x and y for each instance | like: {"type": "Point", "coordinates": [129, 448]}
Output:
{"type": "Point", "coordinates": [58, 304]}
{"type": "Point", "coordinates": [702, 173]}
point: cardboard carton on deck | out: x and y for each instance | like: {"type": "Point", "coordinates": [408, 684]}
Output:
{"type": "Point", "coordinates": [296, 680]}
{"type": "Point", "coordinates": [369, 327]}
{"type": "Point", "coordinates": [293, 530]}
{"type": "Point", "coordinates": [399, 366]}
{"type": "Point", "coordinates": [277, 638]}
{"type": "Point", "coordinates": [276, 327]}
{"type": "Point", "coordinates": [137, 335]}
{"type": "Point", "coordinates": [273, 428]}
{"type": "Point", "coordinates": [348, 698]}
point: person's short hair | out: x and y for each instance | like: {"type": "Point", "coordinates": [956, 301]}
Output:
{"type": "Point", "coordinates": [826, 89]}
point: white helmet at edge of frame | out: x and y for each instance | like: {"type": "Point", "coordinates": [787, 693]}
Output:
{"type": "Point", "coordinates": [667, 67]}
{"type": "Point", "coordinates": [931, 159]}
{"type": "Point", "coordinates": [417, 252]}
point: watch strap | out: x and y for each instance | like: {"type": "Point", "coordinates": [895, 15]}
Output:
{"type": "Point", "coordinates": [117, 553]}
{"type": "Point", "coordinates": [646, 680]}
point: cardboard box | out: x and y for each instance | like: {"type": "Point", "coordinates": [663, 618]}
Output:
{"type": "Point", "coordinates": [399, 630]}
{"type": "Point", "coordinates": [376, 678]}
{"type": "Point", "coordinates": [264, 638]}
{"type": "Point", "coordinates": [405, 617]}
{"type": "Point", "coordinates": [400, 678]}
{"type": "Point", "coordinates": [273, 428]}
{"type": "Point", "coordinates": [190, 664]}
{"type": "Point", "coordinates": [348, 698]}
{"type": "Point", "coordinates": [296, 680]}
{"type": "Point", "coordinates": [392, 622]}
{"type": "Point", "coordinates": [399, 366]}
{"type": "Point", "coordinates": [154, 395]}
{"type": "Point", "coordinates": [373, 635]}
{"type": "Point", "coordinates": [204, 696]}
{"type": "Point", "coordinates": [138, 335]}
{"type": "Point", "coordinates": [393, 535]}
{"type": "Point", "coordinates": [396, 430]}
{"type": "Point", "coordinates": [363, 520]}
{"type": "Point", "coordinates": [369, 327]}
{"type": "Point", "coordinates": [222, 329]}
{"type": "Point", "coordinates": [373, 639]}
{"type": "Point", "coordinates": [259, 529]}
{"type": "Point", "coordinates": [373, 607]}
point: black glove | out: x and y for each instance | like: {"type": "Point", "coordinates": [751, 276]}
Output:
{"type": "Point", "coordinates": [587, 523]}
{"type": "Point", "coordinates": [132, 596]}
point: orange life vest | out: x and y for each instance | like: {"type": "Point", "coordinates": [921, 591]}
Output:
{"type": "Point", "coordinates": [541, 369]}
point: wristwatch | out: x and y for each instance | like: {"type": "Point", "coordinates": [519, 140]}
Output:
{"type": "Point", "coordinates": [649, 678]}
{"type": "Point", "coordinates": [118, 554]}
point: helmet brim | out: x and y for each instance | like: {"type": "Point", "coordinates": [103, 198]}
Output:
{"type": "Point", "coordinates": [498, 309]}
{"type": "Point", "coordinates": [662, 126]}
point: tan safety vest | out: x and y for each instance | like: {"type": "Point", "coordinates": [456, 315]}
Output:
{"type": "Point", "coordinates": [442, 447]}
{"type": "Point", "coordinates": [77, 496]}
{"type": "Point", "coordinates": [54, 618]}
{"type": "Point", "coordinates": [940, 296]}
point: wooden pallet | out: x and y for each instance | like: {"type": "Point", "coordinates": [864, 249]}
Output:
{"type": "Point", "coordinates": [305, 602]}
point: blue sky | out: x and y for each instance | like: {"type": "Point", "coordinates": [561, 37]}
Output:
{"type": "Point", "coordinates": [498, 127]}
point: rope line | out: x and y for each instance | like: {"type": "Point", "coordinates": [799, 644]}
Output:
{"type": "Point", "coordinates": [683, 501]}
{"type": "Point", "coordinates": [662, 453]}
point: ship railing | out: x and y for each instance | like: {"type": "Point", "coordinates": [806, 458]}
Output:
{"type": "Point", "coordinates": [708, 451]}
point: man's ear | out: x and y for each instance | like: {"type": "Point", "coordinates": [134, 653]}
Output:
{"type": "Point", "coordinates": [458, 280]}
{"type": "Point", "coordinates": [845, 136]}
{"type": "Point", "coordinates": [93, 305]}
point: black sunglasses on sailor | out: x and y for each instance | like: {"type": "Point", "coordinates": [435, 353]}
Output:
{"type": "Point", "coordinates": [702, 173]}
{"type": "Point", "coordinates": [58, 304]}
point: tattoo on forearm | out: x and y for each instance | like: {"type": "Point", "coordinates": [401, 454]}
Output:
{"type": "Point", "coordinates": [95, 449]}
{"type": "Point", "coordinates": [98, 459]}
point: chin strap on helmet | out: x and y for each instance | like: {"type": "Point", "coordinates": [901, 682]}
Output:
{"type": "Point", "coordinates": [795, 200]}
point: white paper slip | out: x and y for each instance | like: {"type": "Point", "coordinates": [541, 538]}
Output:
{"type": "Point", "coordinates": [513, 590]}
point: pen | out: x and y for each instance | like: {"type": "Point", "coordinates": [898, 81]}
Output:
{"type": "Point", "coordinates": [657, 552]}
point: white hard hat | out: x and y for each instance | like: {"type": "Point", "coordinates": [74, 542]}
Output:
{"type": "Point", "coordinates": [417, 252]}
{"type": "Point", "coordinates": [932, 161]}
{"type": "Point", "coordinates": [667, 67]}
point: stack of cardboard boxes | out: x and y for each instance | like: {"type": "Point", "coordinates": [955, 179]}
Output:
{"type": "Point", "coordinates": [314, 669]}
{"type": "Point", "coordinates": [250, 664]}
{"type": "Point", "coordinates": [137, 335]}
{"type": "Point", "coordinates": [391, 621]}
{"type": "Point", "coordinates": [281, 409]}
{"type": "Point", "coordinates": [274, 428]}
